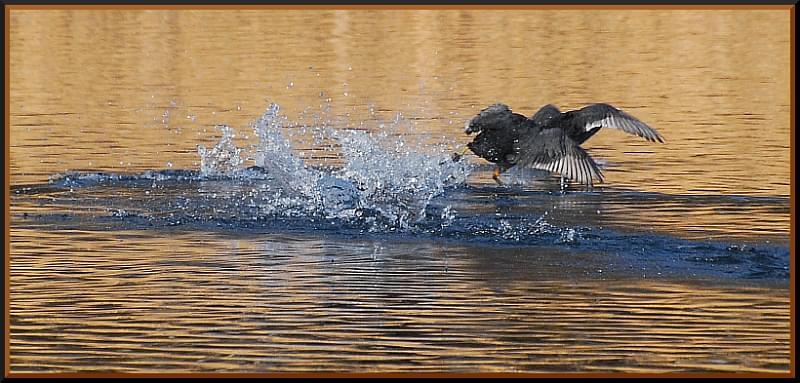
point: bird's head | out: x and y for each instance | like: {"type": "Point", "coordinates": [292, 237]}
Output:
{"type": "Point", "coordinates": [494, 115]}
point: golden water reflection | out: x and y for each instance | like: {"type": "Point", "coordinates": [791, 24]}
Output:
{"type": "Point", "coordinates": [135, 90]}
{"type": "Point", "coordinates": [283, 303]}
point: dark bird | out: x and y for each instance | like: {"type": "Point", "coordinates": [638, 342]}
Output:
{"type": "Point", "coordinates": [549, 140]}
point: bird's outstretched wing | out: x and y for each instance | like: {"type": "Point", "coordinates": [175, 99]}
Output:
{"type": "Point", "coordinates": [607, 116]}
{"type": "Point", "coordinates": [552, 150]}
{"type": "Point", "coordinates": [546, 113]}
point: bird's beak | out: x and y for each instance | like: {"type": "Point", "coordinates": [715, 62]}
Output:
{"type": "Point", "coordinates": [468, 126]}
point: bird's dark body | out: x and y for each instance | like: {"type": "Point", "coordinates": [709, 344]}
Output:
{"type": "Point", "coordinates": [497, 146]}
{"type": "Point", "coordinates": [500, 145]}
{"type": "Point", "coordinates": [549, 139]}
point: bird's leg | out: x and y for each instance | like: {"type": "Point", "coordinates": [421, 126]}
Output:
{"type": "Point", "coordinates": [496, 176]}
{"type": "Point", "coordinates": [457, 156]}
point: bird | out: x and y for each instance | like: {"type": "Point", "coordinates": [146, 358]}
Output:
{"type": "Point", "coordinates": [549, 140]}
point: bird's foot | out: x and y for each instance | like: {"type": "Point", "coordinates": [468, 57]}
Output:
{"type": "Point", "coordinates": [496, 177]}
{"type": "Point", "coordinates": [459, 155]}
{"type": "Point", "coordinates": [499, 183]}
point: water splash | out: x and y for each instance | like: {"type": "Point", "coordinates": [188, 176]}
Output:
{"type": "Point", "coordinates": [224, 157]}
{"type": "Point", "coordinates": [385, 181]}
{"type": "Point", "coordinates": [395, 180]}
{"type": "Point", "coordinates": [274, 154]}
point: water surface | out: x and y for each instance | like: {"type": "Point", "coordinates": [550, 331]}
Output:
{"type": "Point", "coordinates": [270, 191]}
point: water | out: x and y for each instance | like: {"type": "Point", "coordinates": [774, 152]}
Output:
{"type": "Point", "coordinates": [246, 197]}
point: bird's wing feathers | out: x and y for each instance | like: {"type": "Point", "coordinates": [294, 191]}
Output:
{"type": "Point", "coordinates": [545, 114]}
{"type": "Point", "coordinates": [552, 150]}
{"type": "Point", "coordinates": [607, 116]}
